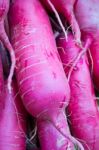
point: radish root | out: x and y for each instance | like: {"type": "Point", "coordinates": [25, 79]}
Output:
{"type": "Point", "coordinates": [84, 49]}
{"type": "Point", "coordinates": [5, 41]}
{"type": "Point", "coordinates": [58, 18]}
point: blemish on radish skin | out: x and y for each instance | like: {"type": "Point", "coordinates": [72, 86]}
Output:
{"type": "Point", "coordinates": [47, 54]}
{"type": "Point", "coordinates": [54, 75]}
{"type": "Point", "coordinates": [51, 54]}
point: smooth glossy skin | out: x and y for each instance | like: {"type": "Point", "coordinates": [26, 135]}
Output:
{"type": "Point", "coordinates": [40, 75]}
{"type": "Point", "coordinates": [87, 15]}
{"type": "Point", "coordinates": [82, 109]}
{"type": "Point", "coordinates": [66, 8]}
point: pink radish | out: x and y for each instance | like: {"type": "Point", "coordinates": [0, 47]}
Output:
{"type": "Point", "coordinates": [12, 121]}
{"type": "Point", "coordinates": [83, 110]}
{"type": "Point", "coordinates": [42, 83]}
{"type": "Point", "coordinates": [12, 117]}
{"type": "Point", "coordinates": [87, 15]}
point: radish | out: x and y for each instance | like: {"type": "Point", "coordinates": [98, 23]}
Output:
{"type": "Point", "coordinates": [87, 14]}
{"type": "Point", "coordinates": [12, 117]}
{"type": "Point", "coordinates": [12, 121]}
{"type": "Point", "coordinates": [41, 79]}
{"type": "Point", "coordinates": [82, 109]}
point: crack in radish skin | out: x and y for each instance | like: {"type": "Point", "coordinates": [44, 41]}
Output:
{"type": "Point", "coordinates": [23, 47]}
{"type": "Point", "coordinates": [28, 77]}
{"type": "Point", "coordinates": [30, 66]}
{"type": "Point", "coordinates": [25, 52]}
{"type": "Point", "coordinates": [25, 59]}
{"type": "Point", "coordinates": [22, 40]}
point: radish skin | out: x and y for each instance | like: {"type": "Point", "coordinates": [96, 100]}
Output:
{"type": "Point", "coordinates": [87, 14]}
{"type": "Point", "coordinates": [42, 83]}
{"type": "Point", "coordinates": [12, 121]}
{"type": "Point", "coordinates": [82, 109]}
{"type": "Point", "coordinates": [12, 117]}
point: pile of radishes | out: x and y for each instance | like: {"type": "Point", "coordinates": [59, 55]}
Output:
{"type": "Point", "coordinates": [49, 74]}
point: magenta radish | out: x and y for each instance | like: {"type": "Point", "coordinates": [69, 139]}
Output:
{"type": "Point", "coordinates": [82, 109]}
{"type": "Point", "coordinates": [87, 14]}
{"type": "Point", "coordinates": [12, 117]}
{"type": "Point", "coordinates": [41, 79]}
{"type": "Point", "coordinates": [12, 121]}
